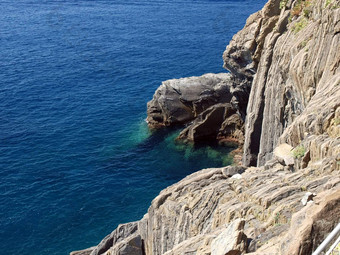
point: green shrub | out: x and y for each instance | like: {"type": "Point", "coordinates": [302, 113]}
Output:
{"type": "Point", "coordinates": [306, 12]}
{"type": "Point", "coordinates": [336, 121]}
{"type": "Point", "coordinates": [302, 6]}
{"type": "Point", "coordinates": [283, 4]}
{"type": "Point", "coordinates": [301, 24]}
{"type": "Point", "coordinates": [299, 151]}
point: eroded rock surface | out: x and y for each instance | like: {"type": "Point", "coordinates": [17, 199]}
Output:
{"type": "Point", "coordinates": [179, 101]}
{"type": "Point", "coordinates": [218, 122]}
{"type": "Point", "coordinates": [190, 214]}
{"type": "Point", "coordinates": [297, 70]}
{"type": "Point", "coordinates": [213, 106]}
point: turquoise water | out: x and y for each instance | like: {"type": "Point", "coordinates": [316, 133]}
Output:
{"type": "Point", "coordinates": [76, 157]}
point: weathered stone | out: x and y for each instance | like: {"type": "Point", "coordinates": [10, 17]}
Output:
{"type": "Point", "coordinates": [284, 100]}
{"type": "Point", "coordinates": [307, 197]}
{"type": "Point", "coordinates": [179, 101]}
{"type": "Point", "coordinates": [284, 154]}
{"type": "Point", "coordinates": [231, 241]}
{"type": "Point", "coordinates": [220, 121]}
{"type": "Point", "coordinates": [229, 171]}
{"type": "Point", "coordinates": [83, 252]}
{"type": "Point", "coordinates": [131, 245]}
{"type": "Point", "coordinates": [206, 125]}
{"type": "Point", "coordinates": [312, 224]}
{"type": "Point", "coordinates": [123, 232]}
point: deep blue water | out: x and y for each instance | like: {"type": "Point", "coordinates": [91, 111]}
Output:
{"type": "Point", "coordinates": [76, 157]}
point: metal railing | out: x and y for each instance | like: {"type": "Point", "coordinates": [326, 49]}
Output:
{"type": "Point", "coordinates": [335, 248]}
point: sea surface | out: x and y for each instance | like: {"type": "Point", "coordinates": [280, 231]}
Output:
{"type": "Point", "coordinates": [76, 156]}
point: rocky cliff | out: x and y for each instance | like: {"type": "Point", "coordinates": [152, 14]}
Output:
{"type": "Point", "coordinates": [283, 96]}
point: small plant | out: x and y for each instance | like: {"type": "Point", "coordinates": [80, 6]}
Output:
{"type": "Point", "coordinates": [303, 44]}
{"type": "Point", "coordinates": [335, 6]}
{"type": "Point", "coordinates": [327, 3]}
{"type": "Point", "coordinates": [302, 6]}
{"type": "Point", "coordinates": [336, 121]}
{"type": "Point", "coordinates": [299, 151]}
{"type": "Point", "coordinates": [297, 9]}
{"type": "Point", "coordinates": [276, 219]}
{"type": "Point", "coordinates": [306, 12]}
{"type": "Point", "coordinates": [300, 25]}
{"type": "Point", "coordinates": [283, 4]}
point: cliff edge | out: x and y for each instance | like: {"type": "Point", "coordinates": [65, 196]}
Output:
{"type": "Point", "coordinates": [283, 92]}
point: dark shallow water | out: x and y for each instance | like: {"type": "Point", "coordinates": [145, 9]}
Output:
{"type": "Point", "coordinates": [76, 158]}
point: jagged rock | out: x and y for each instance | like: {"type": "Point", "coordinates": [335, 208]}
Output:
{"type": "Point", "coordinates": [83, 252]}
{"type": "Point", "coordinates": [231, 241]}
{"type": "Point", "coordinates": [206, 125]}
{"type": "Point", "coordinates": [290, 86]}
{"type": "Point", "coordinates": [232, 128]}
{"type": "Point", "coordinates": [215, 103]}
{"type": "Point", "coordinates": [307, 197]}
{"type": "Point", "coordinates": [284, 154]}
{"type": "Point", "coordinates": [220, 121]}
{"type": "Point", "coordinates": [120, 240]}
{"type": "Point", "coordinates": [188, 215]}
{"type": "Point", "coordinates": [242, 55]}
{"type": "Point", "coordinates": [229, 171]}
{"type": "Point", "coordinates": [179, 101]}
{"type": "Point", "coordinates": [131, 245]}
{"type": "Point", "coordinates": [312, 224]}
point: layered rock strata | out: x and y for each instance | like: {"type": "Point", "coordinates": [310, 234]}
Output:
{"type": "Point", "coordinates": [297, 70]}
{"type": "Point", "coordinates": [189, 216]}
{"type": "Point", "coordinates": [290, 53]}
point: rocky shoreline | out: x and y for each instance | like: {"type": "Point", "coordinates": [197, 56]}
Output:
{"type": "Point", "coordinates": [281, 104]}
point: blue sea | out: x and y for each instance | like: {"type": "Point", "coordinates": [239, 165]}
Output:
{"type": "Point", "coordinates": [76, 156]}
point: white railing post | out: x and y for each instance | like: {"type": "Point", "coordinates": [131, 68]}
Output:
{"type": "Point", "coordinates": [329, 238]}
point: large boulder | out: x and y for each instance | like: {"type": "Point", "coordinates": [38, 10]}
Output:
{"type": "Point", "coordinates": [179, 101]}
{"type": "Point", "coordinates": [231, 241]}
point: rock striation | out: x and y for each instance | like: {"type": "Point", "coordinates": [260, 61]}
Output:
{"type": "Point", "coordinates": [283, 98]}
{"type": "Point", "coordinates": [297, 70]}
{"type": "Point", "coordinates": [193, 215]}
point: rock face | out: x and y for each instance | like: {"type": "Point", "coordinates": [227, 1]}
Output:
{"type": "Point", "coordinates": [231, 241]}
{"type": "Point", "coordinates": [178, 101]}
{"type": "Point", "coordinates": [298, 68]}
{"type": "Point", "coordinates": [212, 105]}
{"type": "Point", "coordinates": [187, 217]}
{"type": "Point", "coordinates": [217, 122]}
{"type": "Point", "coordinates": [291, 58]}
